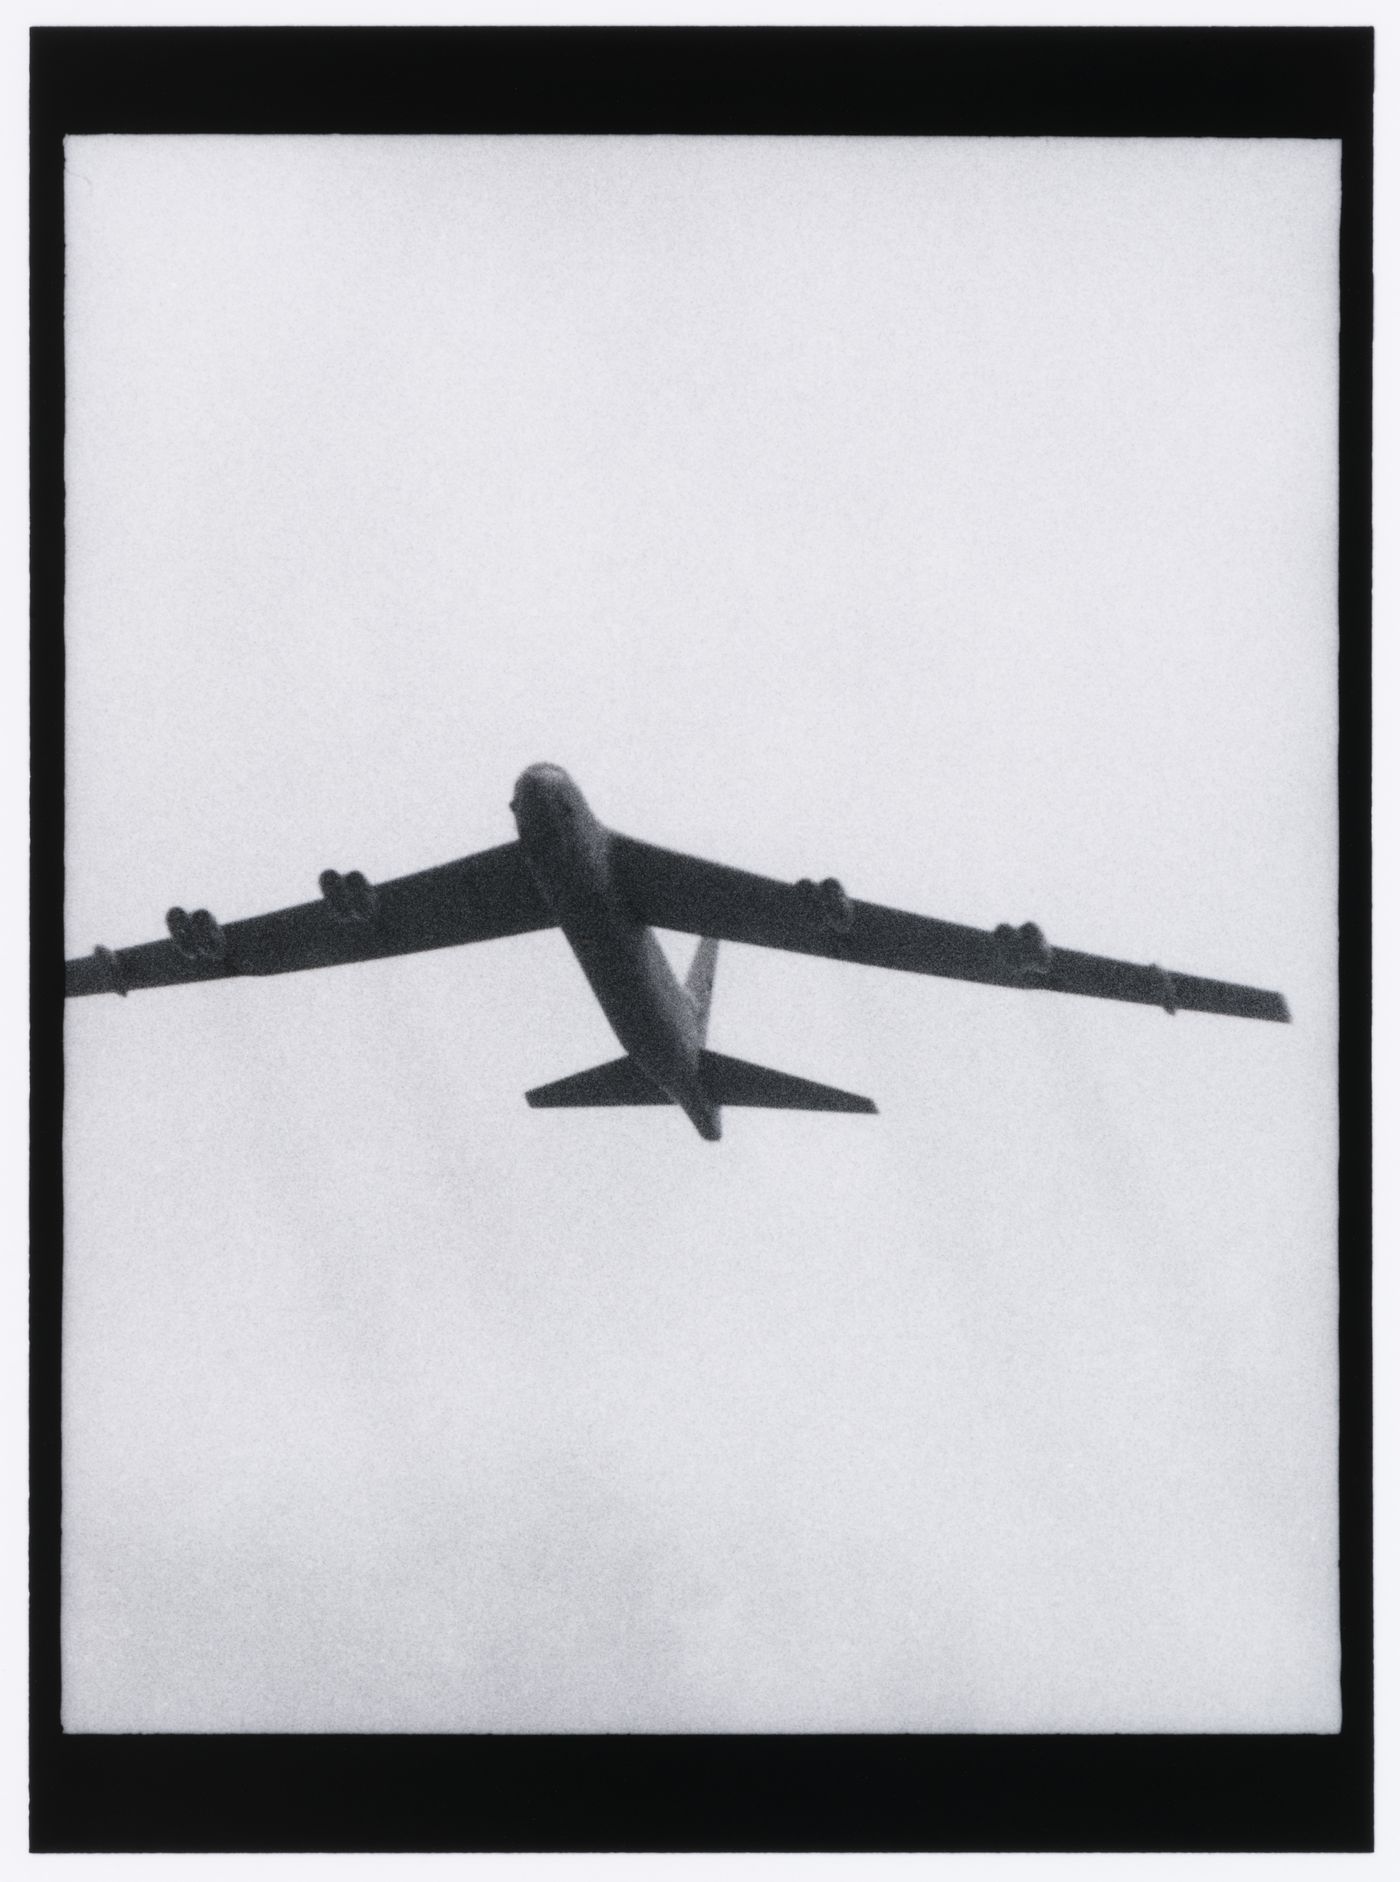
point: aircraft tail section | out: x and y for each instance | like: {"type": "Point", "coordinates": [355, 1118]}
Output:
{"type": "Point", "coordinates": [721, 1081]}
{"type": "Point", "coordinates": [735, 1081]}
{"type": "Point", "coordinates": [700, 983]}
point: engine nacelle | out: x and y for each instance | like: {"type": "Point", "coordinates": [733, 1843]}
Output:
{"type": "Point", "coordinates": [361, 896]}
{"type": "Point", "coordinates": [181, 929]}
{"type": "Point", "coordinates": [836, 907]}
{"type": "Point", "coordinates": [209, 937]}
{"type": "Point", "coordinates": [349, 897]}
{"type": "Point", "coordinates": [1023, 951]}
{"type": "Point", "coordinates": [827, 904]}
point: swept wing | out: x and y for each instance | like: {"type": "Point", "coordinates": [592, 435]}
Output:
{"type": "Point", "coordinates": [479, 898]}
{"type": "Point", "coordinates": [668, 890]}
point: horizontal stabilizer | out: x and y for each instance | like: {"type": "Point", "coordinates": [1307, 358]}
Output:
{"type": "Point", "coordinates": [620, 1081]}
{"type": "Point", "coordinates": [735, 1081]}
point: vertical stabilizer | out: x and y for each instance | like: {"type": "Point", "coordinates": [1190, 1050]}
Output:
{"type": "Point", "coordinates": [700, 983]}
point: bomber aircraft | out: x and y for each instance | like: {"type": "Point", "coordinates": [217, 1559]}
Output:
{"type": "Point", "coordinates": [607, 893]}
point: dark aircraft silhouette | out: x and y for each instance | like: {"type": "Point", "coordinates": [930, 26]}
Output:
{"type": "Point", "coordinates": [607, 892]}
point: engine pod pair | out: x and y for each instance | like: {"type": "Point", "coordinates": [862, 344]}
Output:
{"type": "Point", "coordinates": [198, 937]}
{"type": "Point", "coordinates": [348, 897]}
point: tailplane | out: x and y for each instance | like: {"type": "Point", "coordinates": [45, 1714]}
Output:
{"type": "Point", "coordinates": [735, 1081]}
{"type": "Point", "coordinates": [620, 1081]}
{"type": "Point", "coordinates": [724, 1081]}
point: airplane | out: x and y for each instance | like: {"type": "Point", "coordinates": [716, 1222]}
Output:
{"type": "Point", "coordinates": [607, 892]}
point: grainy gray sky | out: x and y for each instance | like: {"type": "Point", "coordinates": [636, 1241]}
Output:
{"type": "Point", "coordinates": [956, 517]}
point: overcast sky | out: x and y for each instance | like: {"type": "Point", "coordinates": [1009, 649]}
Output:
{"type": "Point", "coordinates": [956, 517]}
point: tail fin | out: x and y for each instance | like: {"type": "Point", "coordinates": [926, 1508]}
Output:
{"type": "Point", "coordinates": [700, 983]}
{"type": "Point", "coordinates": [735, 1081]}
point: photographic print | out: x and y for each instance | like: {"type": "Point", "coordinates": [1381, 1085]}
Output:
{"type": "Point", "coordinates": [850, 624]}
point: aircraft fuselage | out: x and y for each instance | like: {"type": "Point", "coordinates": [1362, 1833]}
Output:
{"type": "Point", "coordinates": [569, 854]}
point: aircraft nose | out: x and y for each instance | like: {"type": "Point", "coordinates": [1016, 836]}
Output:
{"type": "Point", "coordinates": [538, 784]}
{"type": "Point", "coordinates": [535, 775]}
